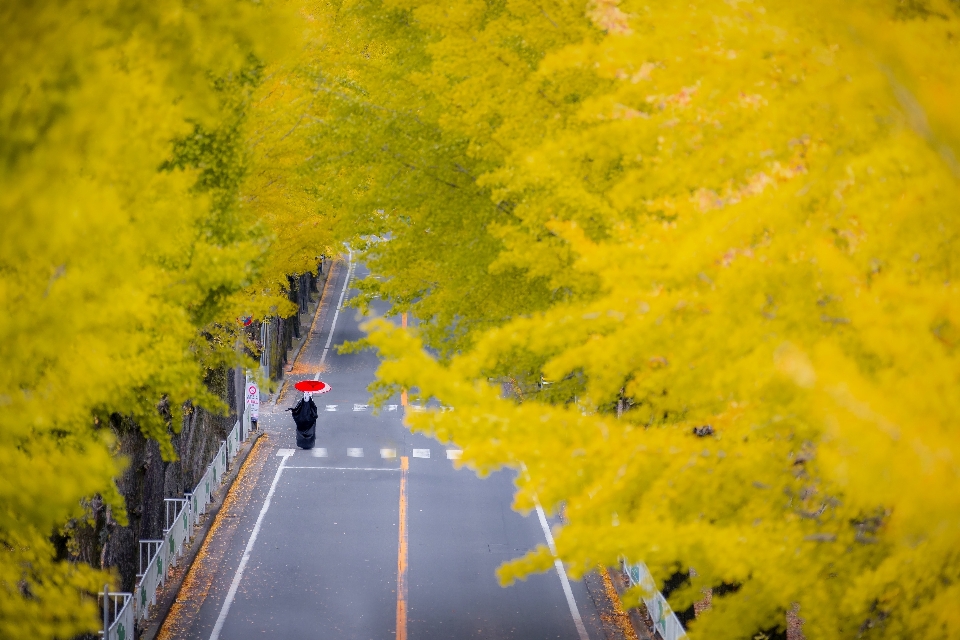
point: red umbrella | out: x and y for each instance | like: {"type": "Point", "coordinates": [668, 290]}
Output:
{"type": "Point", "coordinates": [312, 386]}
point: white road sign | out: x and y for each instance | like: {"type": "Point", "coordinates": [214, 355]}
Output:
{"type": "Point", "coordinates": [253, 400]}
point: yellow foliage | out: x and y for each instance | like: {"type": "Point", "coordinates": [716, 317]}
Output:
{"type": "Point", "coordinates": [734, 214]}
{"type": "Point", "coordinates": [126, 252]}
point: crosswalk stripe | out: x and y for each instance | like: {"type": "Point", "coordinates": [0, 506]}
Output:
{"type": "Point", "coordinates": [390, 407]}
{"type": "Point", "coordinates": [385, 453]}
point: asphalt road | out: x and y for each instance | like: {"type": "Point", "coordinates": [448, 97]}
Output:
{"type": "Point", "coordinates": [316, 550]}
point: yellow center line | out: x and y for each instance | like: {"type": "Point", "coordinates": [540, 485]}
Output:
{"type": "Point", "coordinates": [402, 555]}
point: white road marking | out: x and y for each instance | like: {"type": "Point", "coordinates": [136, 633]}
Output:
{"type": "Point", "coordinates": [454, 454]}
{"type": "Point", "coordinates": [360, 407]}
{"type": "Point", "coordinates": [232, 592]}
{"type": "Point", "coordinates": [355, 453]}
{"type": "Point", "coordinates": [416, 408]}
{"type": "Point", "coordinates": [421, 453]}
{"type": "Point", "coordinates": [391, 407]}
{"type": "Point", "coordinates": [331, 407]}
{"type": "Point", "coordinates": [388, 453]}
{"type": "Point", "coordinates": [562, 572]}
{"type": "Point", "coordinates": [336, 314]}
{"type": "Point", "coordinates": [319, 453]}
{"type": "Point", "coordinates": [285, 452]}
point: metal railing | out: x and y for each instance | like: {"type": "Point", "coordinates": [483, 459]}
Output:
{"type": "Point", "coordinates": [123, 611]}
{"type": "Point", "coordinates": [178, 527]}
{"type": "Point", "coordinates": [117, 616]}
{"type": "Point", "coordinates": [665, 621]}
{"type": "Point", "coordinates": [151, 576]}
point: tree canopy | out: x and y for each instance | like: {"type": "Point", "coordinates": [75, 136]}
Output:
{"type": "Point", "coordinates": [147, 167]}
{"type": "Point", "coordinates": [689, 267]}
{"type": "Point", "coordinates": [711, 248]}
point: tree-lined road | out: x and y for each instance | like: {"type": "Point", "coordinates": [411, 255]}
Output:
{"type": "Point", "coordinates": [318, 549]}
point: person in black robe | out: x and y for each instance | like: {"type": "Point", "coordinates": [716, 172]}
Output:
{"type": "Point", "coordinates": [305, 415]}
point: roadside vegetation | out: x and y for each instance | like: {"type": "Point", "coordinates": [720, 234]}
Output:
{"type": "Point", "coordinates": [150, 197]}
{"type": "Point", "coordinates": [691, 268]}
{"type": "Point", "coordinates": [709, 252]}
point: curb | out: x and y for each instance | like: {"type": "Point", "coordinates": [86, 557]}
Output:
{"type": "Point", "coordinates": [172, 587]}
{"type": "Point", "coordinates": [637, 616]}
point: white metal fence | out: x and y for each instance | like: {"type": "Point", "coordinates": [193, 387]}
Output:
{"type": "Point", "coordinates": [150, 578]}
{"type": "Point", "coordinates": [118, 614]}
{"type": "Point", "coordinates": [665, 621]}
{"type": "Point", "coordinates": [122, 611]}
{"type": "Point", "coordinates": [178, 529]}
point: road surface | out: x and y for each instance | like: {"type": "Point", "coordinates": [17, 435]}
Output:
{"type": "Point", "coordinates": [372, 535]}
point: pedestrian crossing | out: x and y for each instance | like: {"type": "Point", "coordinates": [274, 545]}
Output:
{"type": "Point", "coordinates": [359, 452]}
{"type": "Point", "coordinates": [390, 407]}
{"type": "Point", "coordinates": [356, 407]}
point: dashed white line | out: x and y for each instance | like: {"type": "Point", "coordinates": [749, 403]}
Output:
{"type": "Point", "coordinates": [331, 407]}
{"type": "Point", "coordinates": [386, 453]}
{"type": "Point", "coordinates": [350, 468]}
{"type": "Point", "coordinates": [391, 407]}
{"type": "Point", "coordinates": [360, 407]}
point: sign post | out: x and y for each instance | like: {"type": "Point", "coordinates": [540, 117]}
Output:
{"type": "Point", "coordinates": [253, 401]}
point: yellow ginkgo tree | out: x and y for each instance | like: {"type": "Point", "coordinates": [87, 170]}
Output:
{"type": "Point", "coordinates": [728, 237]}
{"type": "Point", "coordinates": [134, 142]}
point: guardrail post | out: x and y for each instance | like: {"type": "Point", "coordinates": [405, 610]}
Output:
{"type": "Point", "coordinates": [106, 611]}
